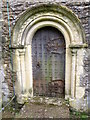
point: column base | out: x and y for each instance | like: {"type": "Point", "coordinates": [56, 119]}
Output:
{"type": "Point", "coordinates": [67, 97]}
{"type": "Point", "coordinates": [79, 104]}
{"type": "Point", "coordinates": [22, 98]}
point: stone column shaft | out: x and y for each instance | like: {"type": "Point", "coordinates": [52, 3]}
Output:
{"type": "Point", "coordinates": [22, 64]}
{"type": "Point", "coordinates": [28, 64]}
{"type": "Point", "coordinates": [17, 68]}
{"type": "Point", "coordinates": [73, 74]}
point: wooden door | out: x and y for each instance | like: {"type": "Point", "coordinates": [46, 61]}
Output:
{"type": "Point", "coordinates": [48, 62]}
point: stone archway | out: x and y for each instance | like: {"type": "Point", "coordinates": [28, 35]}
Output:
{"type": "Point", "coordinates": [69, 25]}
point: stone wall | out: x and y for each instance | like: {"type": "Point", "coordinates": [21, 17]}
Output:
{"type": "Point", "coordinates": [18, 7]}
{"type": "Point", "coordinates": [3, 83]}
{"type": "Point", "coordinates": [88, 84]}
{"type": "Point", "coordinates": [0, 60]}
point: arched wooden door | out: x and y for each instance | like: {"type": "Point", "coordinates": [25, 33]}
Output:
{"type": "Point", "coordinates": [48, 62]}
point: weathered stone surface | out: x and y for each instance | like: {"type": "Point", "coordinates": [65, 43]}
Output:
{"type": "Point", "coordinates": [17, 7]}
{"type": "Point", "coordinates": [1, 75]}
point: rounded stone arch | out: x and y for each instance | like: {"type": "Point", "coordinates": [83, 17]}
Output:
{"type": "Point", "coordinates": [53, 13]}
{"type": "Point", "coordinates": [69, 25]}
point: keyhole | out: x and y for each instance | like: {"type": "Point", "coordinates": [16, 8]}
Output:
{"type": "Point", "coordinates": [38, 64]}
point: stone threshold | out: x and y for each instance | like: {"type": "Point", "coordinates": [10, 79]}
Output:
{"type": "Point", "coordinates": [48, 100]}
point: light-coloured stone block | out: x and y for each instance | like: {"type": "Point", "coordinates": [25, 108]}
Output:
{"type": "Point", "coordinates": [80, 92]}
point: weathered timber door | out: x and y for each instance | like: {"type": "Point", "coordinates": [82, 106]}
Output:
{"type": "Point", "coordinates": [48, 62]}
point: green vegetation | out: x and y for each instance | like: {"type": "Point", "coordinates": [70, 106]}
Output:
{"type": "Point", "coordinates": [80, 115]}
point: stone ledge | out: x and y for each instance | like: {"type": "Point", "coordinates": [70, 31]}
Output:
{"type": "Point", "coordinates": [44, 100]}
{"type": "Point", "coordinates": [78, 46]}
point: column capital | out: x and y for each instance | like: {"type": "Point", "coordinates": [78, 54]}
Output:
{"type": "Point", "coordinates": [73, 51]}
{"type": "Point", "coordinates": [21, 52]}
{"type": "Point", "coordinates": [78, 46]}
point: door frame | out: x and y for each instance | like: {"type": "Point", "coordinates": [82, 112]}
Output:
{"type": "Point", "coordinates": [68, 59]}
